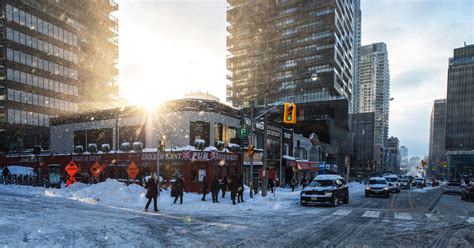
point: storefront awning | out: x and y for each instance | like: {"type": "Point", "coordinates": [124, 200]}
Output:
{"type": "Point", "coordinates": [305, 165]}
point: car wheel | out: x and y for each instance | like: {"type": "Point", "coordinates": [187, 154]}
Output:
{"type": "Point", "coordinates": [346, 199]}
{"type": "Point", "coordinates": [334, 201]}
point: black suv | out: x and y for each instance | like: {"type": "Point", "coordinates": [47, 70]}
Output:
{"type": "Point", "coordinates": [325, 189]}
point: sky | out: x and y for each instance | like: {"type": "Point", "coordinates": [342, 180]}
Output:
{"type": "Point", "coordinates": [172, 47]}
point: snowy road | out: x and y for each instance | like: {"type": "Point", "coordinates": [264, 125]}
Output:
{"type": "Point", "coordinates": [412, 218]}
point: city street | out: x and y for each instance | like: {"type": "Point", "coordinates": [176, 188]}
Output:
{"type": "Point", "coordinates": [413, 217]}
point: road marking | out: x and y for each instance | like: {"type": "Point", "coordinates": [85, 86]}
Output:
{"type": "Point", "coordinates": [470, 220]}
{"type": "Point", "coordinates": [371, 214]}
{"type": "Point", "coordinates": [402, 216]}
{"type": "Point", "coordinates": [342, 212]}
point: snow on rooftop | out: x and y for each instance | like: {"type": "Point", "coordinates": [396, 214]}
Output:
{"type": "Point", "coordinates": [328, 177]}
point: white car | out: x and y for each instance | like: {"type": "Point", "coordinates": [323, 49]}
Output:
{"type": "Point", "coordinates": [393, 183]}
{"type": "Point", "coordinates": [377, 186]}
{"type": "Point", "coordinates": [453, 187]}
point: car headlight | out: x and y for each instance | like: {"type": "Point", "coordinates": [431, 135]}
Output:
{"type": "Point", "coordinates": [367, 188]}
{"type": "Point", "coordinates": [328, 193]}
{"type": "Point", "coordinates": [385, 188]}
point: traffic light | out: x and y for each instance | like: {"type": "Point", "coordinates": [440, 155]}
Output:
{"type": "Point", "coordinates": [289, 113]}
{"type": "Point", "coordinates": [251, 150]}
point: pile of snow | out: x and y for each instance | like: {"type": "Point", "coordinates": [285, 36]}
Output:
{"type": "Point", "coordinates": [116, 194]}
{"type": "Point", "coordinates": [20, 170]}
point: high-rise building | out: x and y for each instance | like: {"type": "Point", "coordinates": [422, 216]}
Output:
{"type": "Point", "coordinates": [437, 152]}
{"type": "Point", "coordinates": [364, 164]}
{"type": "Point", "coordinates": [357, 44]}
{"type": "Point", "coordinates": [301, 51]}
{"type": "Point", "coordinates": [404, 158]}
{"type": "Point", "coordinates": [57, 57]}
{"type": "Point", "coordinates": [460, 113]}
{"type": "Point", "coordinates": [374, 88]}
{"type": "Point", "coordinates": [393, 147]}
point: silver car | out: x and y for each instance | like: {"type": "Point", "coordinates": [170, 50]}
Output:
{"type": "Point", "coordinates": [453, 187]}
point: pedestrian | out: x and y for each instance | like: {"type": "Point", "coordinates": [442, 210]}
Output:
{"type": "Point", "coordinates": [204, 188]}
{"type": "Point", "coordinates": [293, 183]}
{"type": "Point", "coordinates": [179, 187]}
{"type": "Point", "coordinates": [271, 185]}
{"type": "Point", "coordinates": [224, 184]}
{"type": "Point", "coordinates": [215, 187]}
{"type": "Point", "coordinates": [234, 185]}
{"type": "Point", "coordinates": [6, 175]}
{"type": "Point", "coordinates": [255, 186]}
{"type": "Point", "coordinates": [152, 192]}
{"type": "Point", "coordinates": [304, 182]}
{"type": "Point", "coordinates": [240, 189]}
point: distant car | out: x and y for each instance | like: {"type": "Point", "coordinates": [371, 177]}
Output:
{"type": "Point", "coordinates": [419, 181]}
{"type": "Point", "coordinates": [393, 183]}
{"type": "Point", "coordinates": [453, 187]}
{"type": "Point", "coordinates": [325, 189]}
{"type": "Point", "coordinates": [377, 186]}
{"type": "Point", "coordinates": [404, 183]}
{"type": "Point", "coordinates": [467, 192]}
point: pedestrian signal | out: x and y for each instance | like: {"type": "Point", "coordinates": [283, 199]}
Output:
{"type": "Point", "coordinates": [289, 113]}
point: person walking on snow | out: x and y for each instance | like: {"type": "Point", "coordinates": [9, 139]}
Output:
{"type": "Point", "coordinates": [255, 186]}
{"type": "Point", "coordinates": [6, 175]}
{"type": "Point", "coordinates": [304, 182]}
{"type": "Point", "coordinates": [215, 187]}
{"type": "Point", "coordinates": [225, 183]}
{"type": "Point", "coordinates": [234, 185]}
{"type": "Point", "coordinates": [179, 187]}
{"type": "Point", "coordinates": [293, 183]}
{"type": "Point", "coordinates": [271, 185]}
{"type": "Point", "coordinates": [152, 192]}
{"type": "Point", "coordinates": [240, 190]}
{"type": "Point", "coordinates": [204, 188]}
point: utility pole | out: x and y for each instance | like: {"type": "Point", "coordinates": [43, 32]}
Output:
{"type": "Point", "coordinates": [251, 142]}
{"type": "Point", "coordinates": [158, 148]}
{"type": "Point", "coordinates": [264, 168]}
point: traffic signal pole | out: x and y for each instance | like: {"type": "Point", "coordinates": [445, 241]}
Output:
{"type": "Point", "coordinates": [251, 142]}
{"type": "Point", "coordinates": [264, 168]}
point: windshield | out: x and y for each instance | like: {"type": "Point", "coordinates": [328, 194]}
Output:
{"type": "Point", "coordinates": [454, 184]}
{"type": "Point", "coordinates": [377, 181]}
{"type": "Point", "coordinates": [321, 183]}
{"type": "Point", "coordinates": [391, 179]}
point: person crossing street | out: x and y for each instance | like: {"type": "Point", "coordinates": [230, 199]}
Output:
{"type": "Point", "coordinates": [152, 192]}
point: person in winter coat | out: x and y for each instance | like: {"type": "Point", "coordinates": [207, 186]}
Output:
{"type": "Point", "coordinates": [152, 192]}
{"type": "Point", "coordinates": [179, 187]}
{"type": "Point", "coordinates": [304, 182]}
{"type": "Point", "coordinates": [225, 183]}
{"type": "Point", "coordinates": [234, 186]}
{"type": "Point", "coordinates": [215, 187]}
{"type": "Point", "coordinates": [271, 185]}
{"type": "Point", "coordinates": [255, 186]}
{"type": "Point", "coordinates": [293, 183]}
{"type": "Point", "coordinates": [6, 175]}
{"type": "Point", "coordinates": [240, 190]}
{"type": "Point", "coordinates": [204, 188]}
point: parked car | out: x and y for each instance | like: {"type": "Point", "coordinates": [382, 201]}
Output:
{"type": "Point", "coordinates": [419, 182]}
{"type": "Point", "coordinates": [467, 192]}
{"type": "Point", "coordinates": [453, 187]}
{"type": "Point", "coordinates": [377, 186]}
{"type": "Point", "coordinates": [404, 183]}
{"type": "Point", "coordinates": [325, 189]}
{"type": "Point", "coordinates": [393, 183]}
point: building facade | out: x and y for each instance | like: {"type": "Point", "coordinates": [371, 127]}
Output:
{"type": "Point", "coordinates": [393, 147]}
{"type": "Point", "coordinates": [300, 51]}
{"type": "Point", "coordinates": [404, 158]}
{"type": "Point", "coordinates": [58, 57]}
{"type": "Point", "coordinates": [460, 113]}
{"type": "Point", "coordinates": [437, 151]}
{"type": "Point", "coordinates": [364, 164]}
{"type": "Point", "coordinates": [374, 88]}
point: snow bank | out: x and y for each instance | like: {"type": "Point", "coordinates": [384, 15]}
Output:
{"type": "Point", "coordinates": [116, 194]}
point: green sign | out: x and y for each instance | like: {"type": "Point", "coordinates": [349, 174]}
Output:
{"type": "Point", "coordinates": [243, 132]}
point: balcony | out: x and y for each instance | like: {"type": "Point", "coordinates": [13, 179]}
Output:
{"type": "Point", "coordinates": [114, 5]}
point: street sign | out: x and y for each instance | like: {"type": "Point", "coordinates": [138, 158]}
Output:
{"type": "Point", "coordinates": [243, 133]}
{"type": "Point", "coordinates": [71, 169]}
{"type": "Point", "coordinates": [132, 170]}
{"type": "Point", "coordinates": [96, 169]}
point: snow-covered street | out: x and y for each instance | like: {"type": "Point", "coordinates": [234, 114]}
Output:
{"type": "Point", "coordinates": [111, 214]}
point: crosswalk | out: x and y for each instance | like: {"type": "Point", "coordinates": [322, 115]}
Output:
{"type": "Point", "coordinates": [403, 216]}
